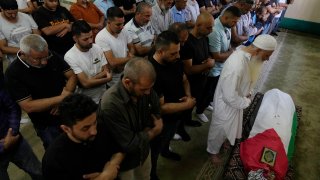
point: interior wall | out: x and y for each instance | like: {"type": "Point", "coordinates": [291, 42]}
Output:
{"type": "Point", "coordinates": [306, 10]}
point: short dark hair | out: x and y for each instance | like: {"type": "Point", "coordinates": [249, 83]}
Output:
{"type": "Point", "coordinates": [9, 4]}
{"type": "Point", "coordinates": [75, 108]}
{"type": "Point", "coordinates": [80, 26]}
{"type": "Point", "coordinates": [234, 11]}
{"type": "Point", "coordinates": [165, 39]}
{"type": "Point", "coordinates": [114, 12]}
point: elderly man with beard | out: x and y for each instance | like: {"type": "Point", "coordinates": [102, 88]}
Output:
{"type": "Point", "coordinates": [84, 150]}
{"type": "Point", "coordinates": [161, 17]}
{"type": "Point", "coordinates": [38, 80]}
{"type": "Point", "coordinates": [238, 77]}
{"type": "Point", "coordinates": [88, 62]}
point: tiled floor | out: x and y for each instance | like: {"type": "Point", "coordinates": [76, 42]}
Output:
{"type": "Point", "coordinates": [295, 71]}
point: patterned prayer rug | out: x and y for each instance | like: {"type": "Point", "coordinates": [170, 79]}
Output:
{"type": "Point", "coordinates": [232, 169]}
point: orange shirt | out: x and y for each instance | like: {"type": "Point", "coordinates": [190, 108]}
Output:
{"type": "Point", "coordinates": [91, 14]}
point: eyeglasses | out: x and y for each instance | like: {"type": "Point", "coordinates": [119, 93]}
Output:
{"type": "Point", "coordinates": [42, 59]}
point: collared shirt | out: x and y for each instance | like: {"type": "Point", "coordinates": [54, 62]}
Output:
{"type": "Point", "coordinates": [143, 35]}
{"type": "Point", "coordinates": [126, 121]}
{"type": "Point", "coordinates": [104, 5]}
{"type": "Point", "coordinates": [160, 20]}
{"type": "Point", "coordinates": [180, 16]}
{"type": "Point", "coordinates": [219, 41]}
{"type": "Point", "coordinates": [245, 25]}
{"type": "Point", "coordinates": [151, 2]}
{"type": "Point", "coordinates": [25, 81]}
{"type": "Point", "coordinates": [193, 8]}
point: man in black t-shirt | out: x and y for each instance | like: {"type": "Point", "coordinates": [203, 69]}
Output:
{"type": "Point", "coordinates": [84, 149]}
{"type": "Point", "coordinates": [38, 81]}
{"type": "Point", "coordinates": [55, 23]}
{"type": "Point", "coordinates": [196, 59]}
{"type": "Point", "coordinates": [173, 89]}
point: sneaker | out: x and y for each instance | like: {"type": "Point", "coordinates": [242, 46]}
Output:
{"type": "Point", "coordinates": [171, 155]}
{"type": "Point", "coordinates": [192, 123]}
{"type": "Point", "coordinates": [209, 108]}
{"type": "Point", "coordinates": [202, 117]}
{"type": "Point", "coordinates": [24, 120]}
{"type": "Point", "coordinates": [184, 135]}
{"type": "Point", "coordinates": [177, 137]}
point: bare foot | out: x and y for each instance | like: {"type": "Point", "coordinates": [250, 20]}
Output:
{"type": "Point", "coordinates": [226, 145]}
{"type": "Point", "coordinates": [216, 160]}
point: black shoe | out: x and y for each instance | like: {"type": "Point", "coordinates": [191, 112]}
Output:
{"type": "Point", "coordinates": [171, 155]}
{"type": "Point", "coordinates": [154, 177]}
{"type": "Point", "coordinates": [192, 123]}
{"type": "Point", "coordinates": [184, 135]}
{"type": "Point", "coordinates": [274, 34]}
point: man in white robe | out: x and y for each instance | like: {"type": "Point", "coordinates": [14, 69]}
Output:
{"type": "Point", "coordinates": [232, 95]}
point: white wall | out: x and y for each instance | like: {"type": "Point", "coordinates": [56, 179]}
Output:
{"type": "Point", "coordinates": [307, 10]}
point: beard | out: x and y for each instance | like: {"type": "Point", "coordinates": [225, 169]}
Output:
{"type": "Point", "coordinates": [85, 47]}
{"type": "Point", "coordinates": [164, 8]}
{"type": "Point", "coordinates": [84, 140]}
{"type": "Point", "coordinates": [255, 65]}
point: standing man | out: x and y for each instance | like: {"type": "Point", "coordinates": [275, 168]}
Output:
{"type": "Point", "coordinates": [88, 62]}
{"type": "Point", "coordinates": [220, 48]}
{"type": "Point", "coordinates": [181, 14]}
{"type": "Point", "coordinates": [161, 16]}
{"type": "Point", "coordinates": [13, 147]}
{"type": "Point", "coordinates": [130, 111]}
{"type": "Point", "coordinates": [244, 28]}
{"type": "Point", "coordinates": [86, 10]}
{"type": "Point", "coordinates": [173, 89]}
{"type": "Point", "coordinates": [140, 29]}
{"type": "Point", "coordinates": [55, 21]}
{"type": "Point", "coordinates": [83, 151]}
{"type": "Point", "coordinates": [115, 43]}
{"type": "Point", "coordinates": [197, 61]}
{"type": "Point", "coordinates": [13, 26]}
{"type": "Point", "coordinates": [237, 79]}
{"type": "Point", "coordinates": [38, 81]}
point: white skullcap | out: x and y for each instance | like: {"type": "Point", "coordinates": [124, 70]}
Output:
{"type": "Point", "coordinates": [265, 42]}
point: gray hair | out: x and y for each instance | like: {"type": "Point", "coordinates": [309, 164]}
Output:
{"type": "Point", "coordinates": [33, 41]}
{"type": "Point", "coordinates": [142, 6]}
{"type": "Point", "coordinates": [138, 67]}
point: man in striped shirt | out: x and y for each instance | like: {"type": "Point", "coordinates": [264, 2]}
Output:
{"type": "Point", "coordinates": [140, 29]}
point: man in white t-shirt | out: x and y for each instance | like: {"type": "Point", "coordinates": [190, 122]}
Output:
{"type": "Point", "coordinates": [88, 62]}
{"type": "Point", "coordinates": [115, 43]}
{"type": "Point", "coordinates": [13, 26]}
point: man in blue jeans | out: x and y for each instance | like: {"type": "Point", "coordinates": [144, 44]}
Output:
{"type": "Point", "coordinates": [13, 147]}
